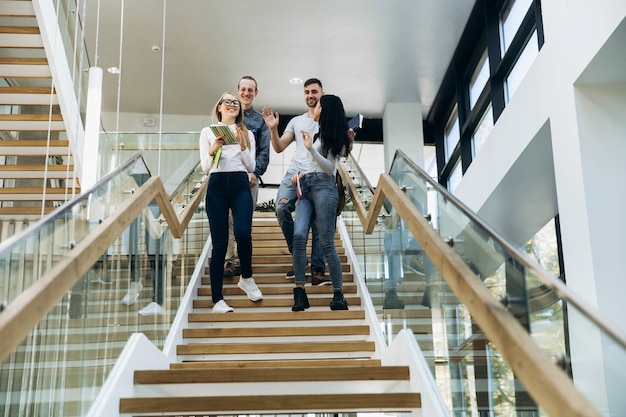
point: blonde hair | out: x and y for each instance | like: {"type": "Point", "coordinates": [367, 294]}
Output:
{"type": "Point", "coordinates": [238, 120]}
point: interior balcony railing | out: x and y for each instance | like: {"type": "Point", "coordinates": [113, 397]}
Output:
{"type": "Point", "coordinates": [502, 337]}
{"type": "Point", "coordinates": [487, 356]}
{"type": "Point", "coordinates": [75, 286]}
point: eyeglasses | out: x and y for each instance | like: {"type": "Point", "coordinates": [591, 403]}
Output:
{"type": "Point", "coordinates": [228, 102]}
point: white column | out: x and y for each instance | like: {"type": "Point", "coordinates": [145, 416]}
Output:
{"type": "Point", "coordinates": [402, 129]}
{"type": "Point", "coordinates": [92, 129]}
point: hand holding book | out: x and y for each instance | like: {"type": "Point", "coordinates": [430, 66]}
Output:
{"type": "Point", "coordinates": [223, 136]}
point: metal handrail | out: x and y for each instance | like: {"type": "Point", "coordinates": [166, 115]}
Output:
{"type": "Point", "coordinates": [548, 280]}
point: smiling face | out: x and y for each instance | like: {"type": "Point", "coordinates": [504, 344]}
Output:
{"type": "Point", "coordinates": [312, 94]}
{"type": "Point", "coordinates": [247, 91]}
{"type": "Point", "coordinates": [228, 108]}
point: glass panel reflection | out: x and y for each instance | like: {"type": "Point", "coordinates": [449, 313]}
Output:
{"type": "Point", "coordinates": [135, 286]}
{"type": "Point", "coordinates": [409, 293]}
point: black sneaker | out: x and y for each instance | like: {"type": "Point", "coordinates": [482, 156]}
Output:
{"type": "Point", "coordinates": [339, 302]}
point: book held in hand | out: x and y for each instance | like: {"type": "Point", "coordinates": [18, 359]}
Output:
{"type": "Point", "coordinates": [224, 130]}
{"type": "Point", "coordinates": [229, 139]}
{"type": "Point", "coordinates": [356, 122]}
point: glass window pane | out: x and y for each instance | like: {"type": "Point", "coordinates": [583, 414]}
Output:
{"type": "Point", "coordinates": [510, 21]}
{"type": "Point", "coordinates": [519, 70]}
{"type": "Point", "coordinates": [452, 133]}
{"type": "Point", "coordinates": [479, 79]}
{"type": "Point", "coordinates": [482, 131]}
{"type": "Point", "coordinates": [455, 176]}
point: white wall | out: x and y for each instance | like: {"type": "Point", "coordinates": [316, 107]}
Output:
{"type": "Point", "coordinates": [573, 100]}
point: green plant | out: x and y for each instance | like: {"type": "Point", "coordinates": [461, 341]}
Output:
{"type": "Point", "coordinates": [268, 206]}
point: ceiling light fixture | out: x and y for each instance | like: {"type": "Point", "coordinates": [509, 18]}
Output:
{"type": "Point", "coordinates": [156, 48]}
{"type": "Point", "coordinates": [113, 70]}
{"type": "Point", "coordinates": [296, 81]}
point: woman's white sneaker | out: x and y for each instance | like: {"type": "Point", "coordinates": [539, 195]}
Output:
{"type": "Point", "coordinates": [249, 287]}
{"type": "Point", "coordinates": [222, 307]}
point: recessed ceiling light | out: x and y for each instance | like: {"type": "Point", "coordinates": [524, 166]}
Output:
{"type": "Point", "coordinates": [296, 81]}
{"type": "Point", "coordinates": [113, 70]}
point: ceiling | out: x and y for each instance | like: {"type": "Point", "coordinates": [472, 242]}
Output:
{"type": "Point", "coordinates": [368, 52]}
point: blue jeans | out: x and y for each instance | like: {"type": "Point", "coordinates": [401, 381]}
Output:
{"type": "Point", "coordinates": [287, 192]}
{"type": "Point", "coordinates": [317, 207]}
{"type": "Point", "coordinates": [229, 191]}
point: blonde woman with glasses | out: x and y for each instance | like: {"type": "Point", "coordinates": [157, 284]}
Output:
{"type": "Point", "coordinates": [229, 189]}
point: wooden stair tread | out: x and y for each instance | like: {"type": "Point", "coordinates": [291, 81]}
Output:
{"type": "Point", "coordinates": [278, 316]}
{"type": "Point", "coordinates": [17, 9]}
{"type": "Point", "coordinates": [26, 90]}
{"type": "Point", "coordinates": [287, 289]}
{"type": "Point", "coordinates": [275, 302]}
{"type": "Point", "coordinates": [31, 117]}
{"type": "Point", "coordinates": [13, 60]}
{"type": "Point", "coordinates": [297, 373]}
{"type": "Point", "coordinates": [329, 362]}
{"type": "Point", "coordinates": [36, 167]}
{"type": "Point", "coordinates": [285, 403]}
{"type": "Point", "coordinates": [277, 347]}
{"type": "Point", "coordinates": [7, 144]}
{"type": "Point", "coordinates": [216, 332]}
{"type": "Point", "coordinates": [20, 30]}
{"type": "Point", "coordinates": [29, 211]}
{"type": "Point", "coordinates": [38, 190]}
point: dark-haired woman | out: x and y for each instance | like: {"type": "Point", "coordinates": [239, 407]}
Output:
{"type": "Point", "coordinates": [229, 189]}
{"type": "Point", "coordinates": [318, 201]}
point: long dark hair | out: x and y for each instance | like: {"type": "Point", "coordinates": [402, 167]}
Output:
{"type": "Point", "coordinates": [333, 125]}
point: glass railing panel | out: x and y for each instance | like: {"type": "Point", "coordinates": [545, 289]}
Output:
{"type": "Point", "coordinates": [168, 155]}
{"type": "Point", "coordinates": [135, 286]}
{"type": "Point", "coordinates": [26, 257]}
{"type": "Point", "coordinates": [362, 185]}
{"type": "Point", "coordinates": [584, 344]}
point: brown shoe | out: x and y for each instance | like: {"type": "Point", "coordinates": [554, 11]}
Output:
{"type": "Point", "coordinates": [317, 278]}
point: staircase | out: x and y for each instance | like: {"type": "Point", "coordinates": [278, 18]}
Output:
{"type": "Point", "coordinates": [36, 163]}
{"type": "Point", "coordinates": [264, 358]}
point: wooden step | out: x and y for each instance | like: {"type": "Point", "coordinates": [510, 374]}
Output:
{"type": "Point", "coordinates": [215, 332]}
{"type": "Point", "coordinates": [28, 211]}
{"type": "Point", "coordinates": [283, 374]}
{"type": "Point", "coordinates": [283, 290]}
{"type": "Point", "coordinates": [258, 316]}
{"type": "Point", "coordinates": [326, 363]}
{"type": "Point", "coordinates": [20, 37]}
{"type": "Point", "coordinates": [283, 259]}
{"type": "Point", "coordinates": [271, 404]}
{"type": "Point", "coordinates": [286, 303]}
{"type": "Point", "coordinates": [28, 96]}
{"type": "Point", "coordinates": [273, 348]}
{"type": "Point", "coordinates": [32, 122]}
{"type": "Point", "coordinates": [17, 8]}
{"type": "Point", "coordinates": [36, 194]}
{"type": "Point", "coordinates": [36, 171]}
{"type": "Point", "coordinates": [25, 68]}
{"type": "Point", "coordinates": [34, 147]}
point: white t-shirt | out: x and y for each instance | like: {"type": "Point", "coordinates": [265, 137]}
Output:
{"type": "Point", "coordinates": [300, 160]}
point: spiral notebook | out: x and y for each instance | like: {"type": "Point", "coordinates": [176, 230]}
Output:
{"type": "Point", "coordinates": [229, 139]}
